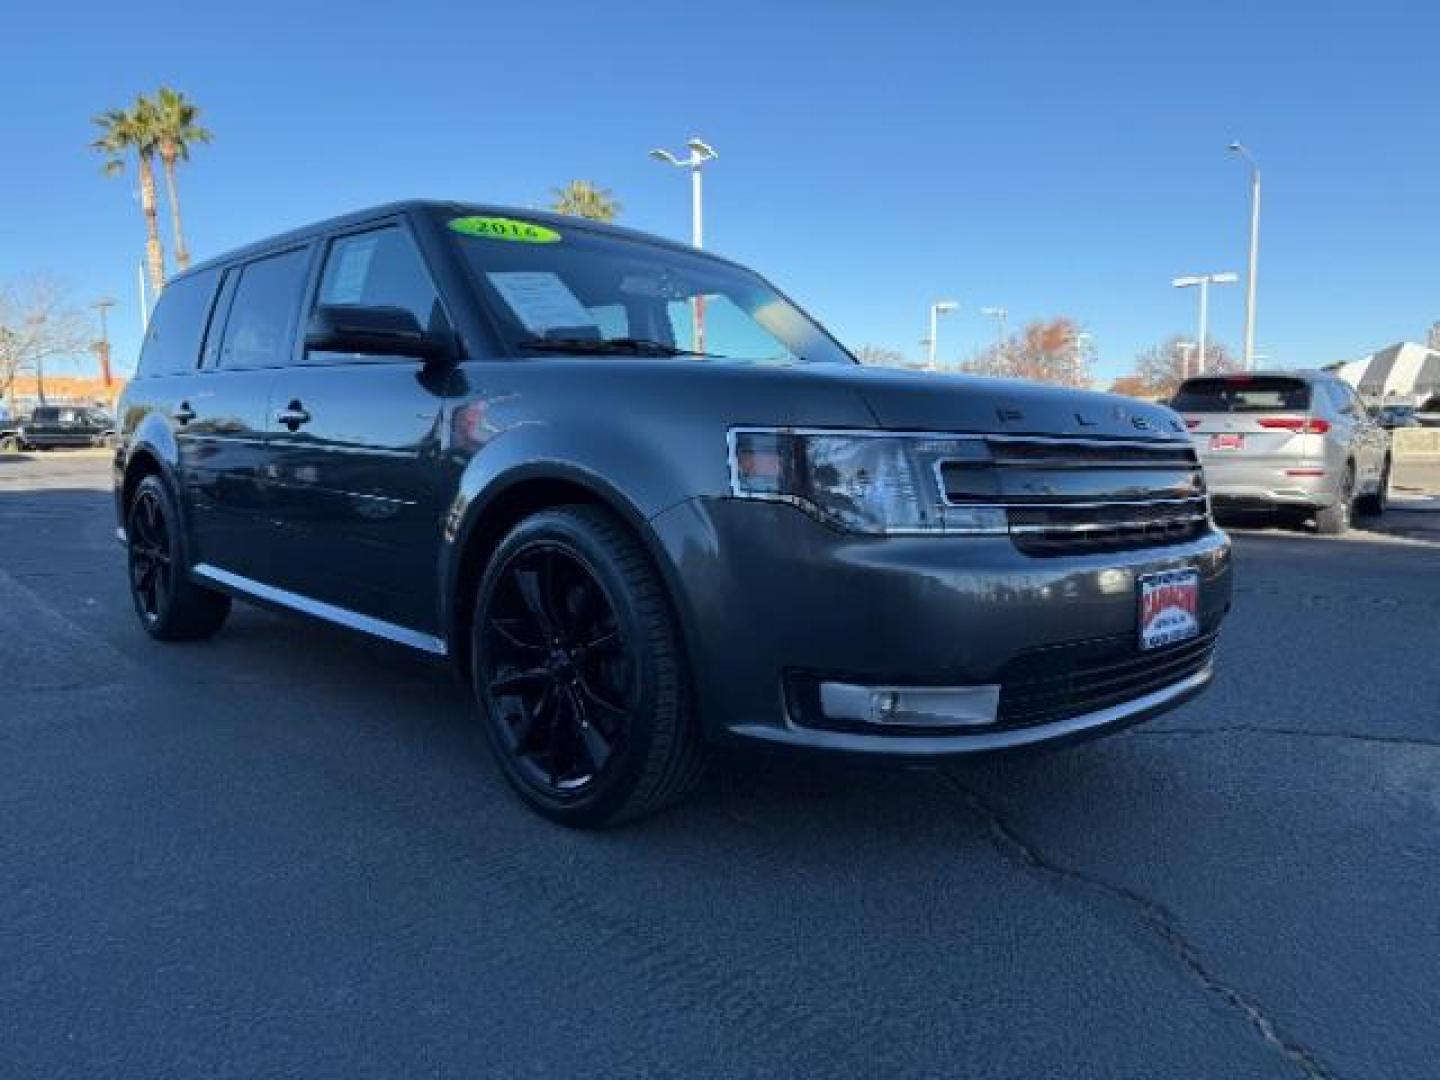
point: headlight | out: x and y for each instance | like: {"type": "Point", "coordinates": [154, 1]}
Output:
{"type": "Point", "coordinates": [879, 484]}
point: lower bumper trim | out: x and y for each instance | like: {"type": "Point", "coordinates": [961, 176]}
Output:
{"type": "Point", "coordinates": [928, 747]}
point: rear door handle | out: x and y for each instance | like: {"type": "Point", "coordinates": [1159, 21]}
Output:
{"type": "Point", "coordinates": [292, 416]}
{"type": "Point", "coordinates": [184, 414]}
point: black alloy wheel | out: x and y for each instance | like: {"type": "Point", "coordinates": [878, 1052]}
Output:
{"type": "Point", "coordinates": [151, 561]}
{"type": "Point", "coordinates": [577, 669]}
{"type": "Point", "coordinates": [171, 607]}
{"type": "Point", "coordinates": [558, 668]}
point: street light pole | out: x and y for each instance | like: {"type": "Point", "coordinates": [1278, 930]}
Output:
{"type": "Point", "coordinates": [1204, 281]}
{"type": "Point", "coordinates": [700, 153]}
{"type": "Point", "coordinates": [1185, 348]}
{"type": "Point", "coordinates": [103, 346]}
{"type": "Point", "coordinates": [999, 314]}
{"type": "Point", "coordinates": [1239, 148]}
{"type": "Point", "coordinates": [938, 308]}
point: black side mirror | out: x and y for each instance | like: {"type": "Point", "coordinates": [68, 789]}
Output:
{"type": "Point", "coordinates": [373, 331]}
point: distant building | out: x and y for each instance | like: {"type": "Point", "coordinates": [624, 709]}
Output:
{"type": "Point", "coordinates": [24, 393]}
{"type": "Point", "coordinates": [1401, 373]}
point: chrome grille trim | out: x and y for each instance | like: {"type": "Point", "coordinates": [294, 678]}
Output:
{"type": "Point", "coordinates": [1048, 525]}
{"type": "Point", "coordinates": [1112, 526]}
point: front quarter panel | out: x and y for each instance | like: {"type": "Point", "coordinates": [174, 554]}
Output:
{"type": "Point", "coordinates": [143, 428]}
{"type": "Point", "coordinates": [641, 435]}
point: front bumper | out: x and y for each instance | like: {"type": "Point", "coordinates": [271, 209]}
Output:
{"type": "Point", "coordinates": [767, 595]}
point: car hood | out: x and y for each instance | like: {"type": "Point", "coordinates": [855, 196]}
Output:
{"type": "Point", "coordinates": [920, 401]}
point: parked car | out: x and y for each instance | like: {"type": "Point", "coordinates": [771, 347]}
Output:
{"type": "Point", "coordinates": [1391, 417]}
{"type": "Point", "coordinates": [645, 504]}
{"type": "Point", "coordinates": [1290, 441]}
{"type": "Point", "coordinates": [55, 427]}
{"type": "Point", "coordinates": [1427, 414]}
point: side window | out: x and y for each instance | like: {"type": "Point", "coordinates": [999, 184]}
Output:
{"type": "Point", "coordinates": [1344, 399]}
{"type": "Point", "coordinates": [261, 326]}
{"type": "Point", "coordinates": [380, 268]}
{"type": "Point", "coordinates": [172, 340]}
{"type": "Point", "coordinates": [1356, 401]}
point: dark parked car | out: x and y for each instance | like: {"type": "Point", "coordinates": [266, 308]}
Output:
{"type": "Point", "coordinates": [645, 505]}
{"type": "Point", "coordinates": [56, 427]}
{"type": "Point", "coordinates": [1391, 417]}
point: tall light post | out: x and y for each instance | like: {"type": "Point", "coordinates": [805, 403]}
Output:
{"type": "Point", "coordinates": [1186, 348]}
{"type": "Point", "coordinates": [1239, 148]}
{"type": "Point", "coordinates": [1204, 281]}
{"type": "Point", "coordinates": [938, 308]}
{"type": "Point", "coordinates": [102, 347]}
{"type": "Point", "coordinates": [700, 153]}
{"type": "Point", "coordinates": [999, 314]}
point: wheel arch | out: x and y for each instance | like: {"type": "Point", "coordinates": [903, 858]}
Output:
{"type": "Point", "coordinates": [147, 458]}
{"type": "Point", "coordinates": [507, 501]}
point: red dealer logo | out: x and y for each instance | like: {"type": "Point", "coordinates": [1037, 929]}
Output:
{"type": "Point", "coordinates": [1164, 597]}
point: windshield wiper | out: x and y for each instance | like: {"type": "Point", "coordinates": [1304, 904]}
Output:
{"type": "Point", "coordinates": [621, 346]}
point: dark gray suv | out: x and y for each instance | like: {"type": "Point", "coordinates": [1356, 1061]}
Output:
{"type": "Point", "coordinates": [645, 505]}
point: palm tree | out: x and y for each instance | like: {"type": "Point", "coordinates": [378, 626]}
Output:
{"type": "Point", "coordinates": [581, 198]}
{"type": "Point", "coordinates": [178, 127]}
{"type": "Point", "coordinates": [134, 129]}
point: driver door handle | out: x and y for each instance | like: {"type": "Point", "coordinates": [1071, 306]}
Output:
{"type": "Point", "coordinates": [292, 416]}
{"type": "Point", "coordinates": [183, 413]}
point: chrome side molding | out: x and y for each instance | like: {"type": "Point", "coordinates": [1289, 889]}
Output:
{"type": "Point", "coordinates": [353, 620]}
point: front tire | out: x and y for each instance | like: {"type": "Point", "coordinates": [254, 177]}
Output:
{"type": "Point", "coordinates": [1374, 504]}
{"type": "Point", "coordinates": [171, 607]}
{"type": "Point", "coordinates": [579, 674]}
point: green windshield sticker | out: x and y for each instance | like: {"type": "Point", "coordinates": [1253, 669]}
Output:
{"type": "Point", "coordinates": [499, 228]}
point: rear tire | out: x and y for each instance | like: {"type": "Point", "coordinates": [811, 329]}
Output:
{"type": "Point", "coordinates": [170, 606]}
{"type": "Point", "coordinates": [1334, 520]}
{"type": "Point", "coordinates": [579, 673]}
{"type": "Point", "coordinates": [1374, 504]}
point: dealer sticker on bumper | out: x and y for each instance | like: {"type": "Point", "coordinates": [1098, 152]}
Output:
{"type": "Point", "coordinates": [1169, 607]}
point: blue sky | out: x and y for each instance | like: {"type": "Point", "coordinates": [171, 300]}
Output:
{"type": "Point", "coordinates": [1049, 157]}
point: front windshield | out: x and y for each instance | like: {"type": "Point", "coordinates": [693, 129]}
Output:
{"type": "Point", "coordinates": [574, 290]}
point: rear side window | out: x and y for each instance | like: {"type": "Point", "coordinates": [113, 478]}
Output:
{"type": "Point", "coordinates": [172, 340]}
{"type": "Point", "coordinates": [1240, 393]}
{"type": "Point", "coordinates": [1346, 399]}
{"type": "Point", "coordinates": [381, 268]}
{"type": "Point", "coordinates": [45, 415]}
{"type": "Point", "coordinates": [261, 326]}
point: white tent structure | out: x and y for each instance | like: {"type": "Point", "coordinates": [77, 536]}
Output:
{"type": "Point", "coordinates": [1404, 373]}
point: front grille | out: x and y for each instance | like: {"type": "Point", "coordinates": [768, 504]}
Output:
{"type": "Point", "coordinates": [1073, 454]}
{"type": "Point", "coordinates": [1064, 530]}
{"type": "Point", "coordinates": [1052, 683]}
{"type": "Point", "coordinates": [1076, 496]}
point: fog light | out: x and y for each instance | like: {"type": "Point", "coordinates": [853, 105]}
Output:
{"type": "Point", "coordinates": [912, 706]}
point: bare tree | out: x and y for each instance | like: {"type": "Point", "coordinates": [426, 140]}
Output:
{"type": "Point", "coordinates": [1160, 368]}
{"type": "Point", "coordinates": [1047, 350]}
{"type": "Point", "coordinates": [879, 356]}
{"type": "Point", "coordinates": [38, 322]}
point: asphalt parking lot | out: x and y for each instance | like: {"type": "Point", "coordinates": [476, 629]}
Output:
{"type": "Point", "coordinates": [285, 853]}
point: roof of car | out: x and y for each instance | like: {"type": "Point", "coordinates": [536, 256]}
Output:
{"type": "Point", "coordinates": [1306, 374]}
{"type": "Point", "coordinates": [459, 208]}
